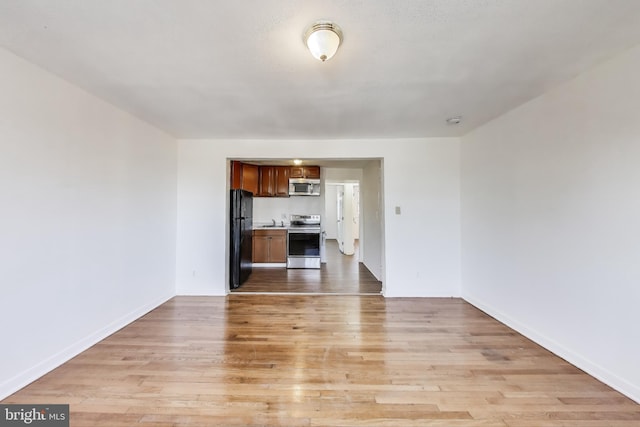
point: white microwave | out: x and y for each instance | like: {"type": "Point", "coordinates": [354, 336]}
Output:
{"type": "Point", "coordinates": [304, 187]}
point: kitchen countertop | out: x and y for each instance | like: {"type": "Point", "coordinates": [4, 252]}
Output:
{"type": "Point", "coordinates": [268, 226]}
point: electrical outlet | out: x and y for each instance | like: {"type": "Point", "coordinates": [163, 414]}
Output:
{"type": "Point", "coordinates": [398, 210]}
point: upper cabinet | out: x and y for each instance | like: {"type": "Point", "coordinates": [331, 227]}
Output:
{"type": "Point", "coordinates": [274, 181]}
{"type": "Point", "coordinates": [250, 178]}
{"type": "Point", "coordinates": [236, 175]}
{"type": "Point", "coordinates": [268, 181]}
{"type": "Point", "coordinates": [305, 172]}
{"type": "Point", "coordinates": [265, 187]}
{"type": "Point", "coordinates": [281, 179]}
{"type": "Point", "coordinates": [244, 177]}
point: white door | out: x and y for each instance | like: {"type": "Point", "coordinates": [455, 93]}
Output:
{"type": "Point", "coordinates": [340, 216]}
{"type": "Point", "coordinates": [348, 247]}
{"type": "Point", "coordinates": [356, 211]}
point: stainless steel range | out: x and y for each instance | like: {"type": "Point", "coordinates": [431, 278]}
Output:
{"type": "Point", "coordinates": [303, 242]}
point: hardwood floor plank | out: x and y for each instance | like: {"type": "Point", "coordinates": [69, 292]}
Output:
{"type": "Point", "coordinates": [254, 360]}
{"type": "Point", "coordinates": [341, 274]}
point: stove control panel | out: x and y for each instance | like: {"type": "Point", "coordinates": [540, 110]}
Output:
{"type": "Point", "coordinates": [305, 219]}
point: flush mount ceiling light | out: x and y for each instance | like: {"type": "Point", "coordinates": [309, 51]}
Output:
{"type": "Point", "coordinates": [323, 39]}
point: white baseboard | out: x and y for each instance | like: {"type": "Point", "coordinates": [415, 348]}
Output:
{"type": "Point", "coordinates": [200, 292]}
{"type": "Point", "coordinates": [27, 377]}
{"type": "Point", "coordinates": [612, 380]}
{"type": "Point", "coordinates": [420, 294]}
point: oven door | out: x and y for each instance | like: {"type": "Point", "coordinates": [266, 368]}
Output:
{"type": "Point", "coordinates": [303, 249]}
{"type": "Point", "coordinates": [303, 243]}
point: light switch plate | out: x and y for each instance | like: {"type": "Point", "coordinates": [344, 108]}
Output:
{"type": "Point", "coordinates": [398, 210]}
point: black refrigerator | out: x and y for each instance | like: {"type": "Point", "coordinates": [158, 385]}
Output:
{"type": "Point", "coordinates": [241, 240]}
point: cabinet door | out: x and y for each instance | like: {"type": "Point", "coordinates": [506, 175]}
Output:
{"type": "Point", "coordinates": [278, 248]}
{"type": "Point", "coordinates": [305, 172]}
{"type": "Point", "coordinates": [312, 172]}
{"type": "Point", "coordinates": [260, 248]}
{"type": "Point", "coordinates": [281, 181]}
{"type": "Point", "coordinates": [250, 178]}
{"type": "Point", "coordinates": [296, 172]}
{"type": "Point", "coordinates": [265, 182]}
{"type": "Point", "coordinates": [236, 175]}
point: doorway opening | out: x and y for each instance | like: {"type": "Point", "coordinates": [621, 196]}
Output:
{"type": "Point", "coordinates": [342, 216]}
{"type": "Point", "coordinates": [351, 206]}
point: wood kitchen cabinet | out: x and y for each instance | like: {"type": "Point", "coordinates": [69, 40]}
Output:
{"type": "Point", "coordinates": [274, 181]}
{"type": "Point", "coordinates": [236, 175]}
{"type": "Point", "coordinates": [244, 177]}
{"type": "Point", "coordinates": [265, 185]}
{"type": "Point", "coordinates": [268, 181]}
{"type": "Point", "coordinates": [281, 179]}
{"type": "Point", "coordinates": [250, 178]}
{"type": "Point", "coordinates": [305, 172]}
{"type": "Point", "coordinates": [269, 246]}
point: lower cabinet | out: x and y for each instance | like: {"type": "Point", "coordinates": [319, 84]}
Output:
{"type": "Point", "coordinates": [269, 246]}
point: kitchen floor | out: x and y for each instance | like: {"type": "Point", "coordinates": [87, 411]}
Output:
{"type": "Point", "coordinates": [341, 274]}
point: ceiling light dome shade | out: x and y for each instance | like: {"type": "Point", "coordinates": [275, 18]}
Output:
{"type": "Point", "coordinates": [323, 39]}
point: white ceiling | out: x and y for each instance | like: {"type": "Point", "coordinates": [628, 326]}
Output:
{"type": "Point", "coordinates": [239, 69]}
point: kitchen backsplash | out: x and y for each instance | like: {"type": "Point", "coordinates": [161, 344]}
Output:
{"type": "Point", "coordinates": [267, 208]}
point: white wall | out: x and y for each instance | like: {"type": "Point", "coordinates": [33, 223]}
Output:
{"type": "Point", "coordinates": [88, 196]}
{"type": "Point", "coordinates": [551, 220]}
{"type": "Point", "coordinates": [342, 174]}
{"type": "Point", "coordinates": [267, 208]}
{"type": "Point", "coordinates": [422, 175]}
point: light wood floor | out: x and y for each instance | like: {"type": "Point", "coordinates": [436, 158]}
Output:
{"type": "Point", "coordinates": [341, 274]}
{"type": "Point", "coordinates": [255, 360]}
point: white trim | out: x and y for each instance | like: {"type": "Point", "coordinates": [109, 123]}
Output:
{"type": "Point", "coordinates": [210, 291]}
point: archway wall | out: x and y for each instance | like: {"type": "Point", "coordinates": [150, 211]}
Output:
{"type": "Point", "coordinates": [419, 248]}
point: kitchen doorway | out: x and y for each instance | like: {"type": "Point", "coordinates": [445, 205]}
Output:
{"type": "Point", "coordinates": [353, 265]}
